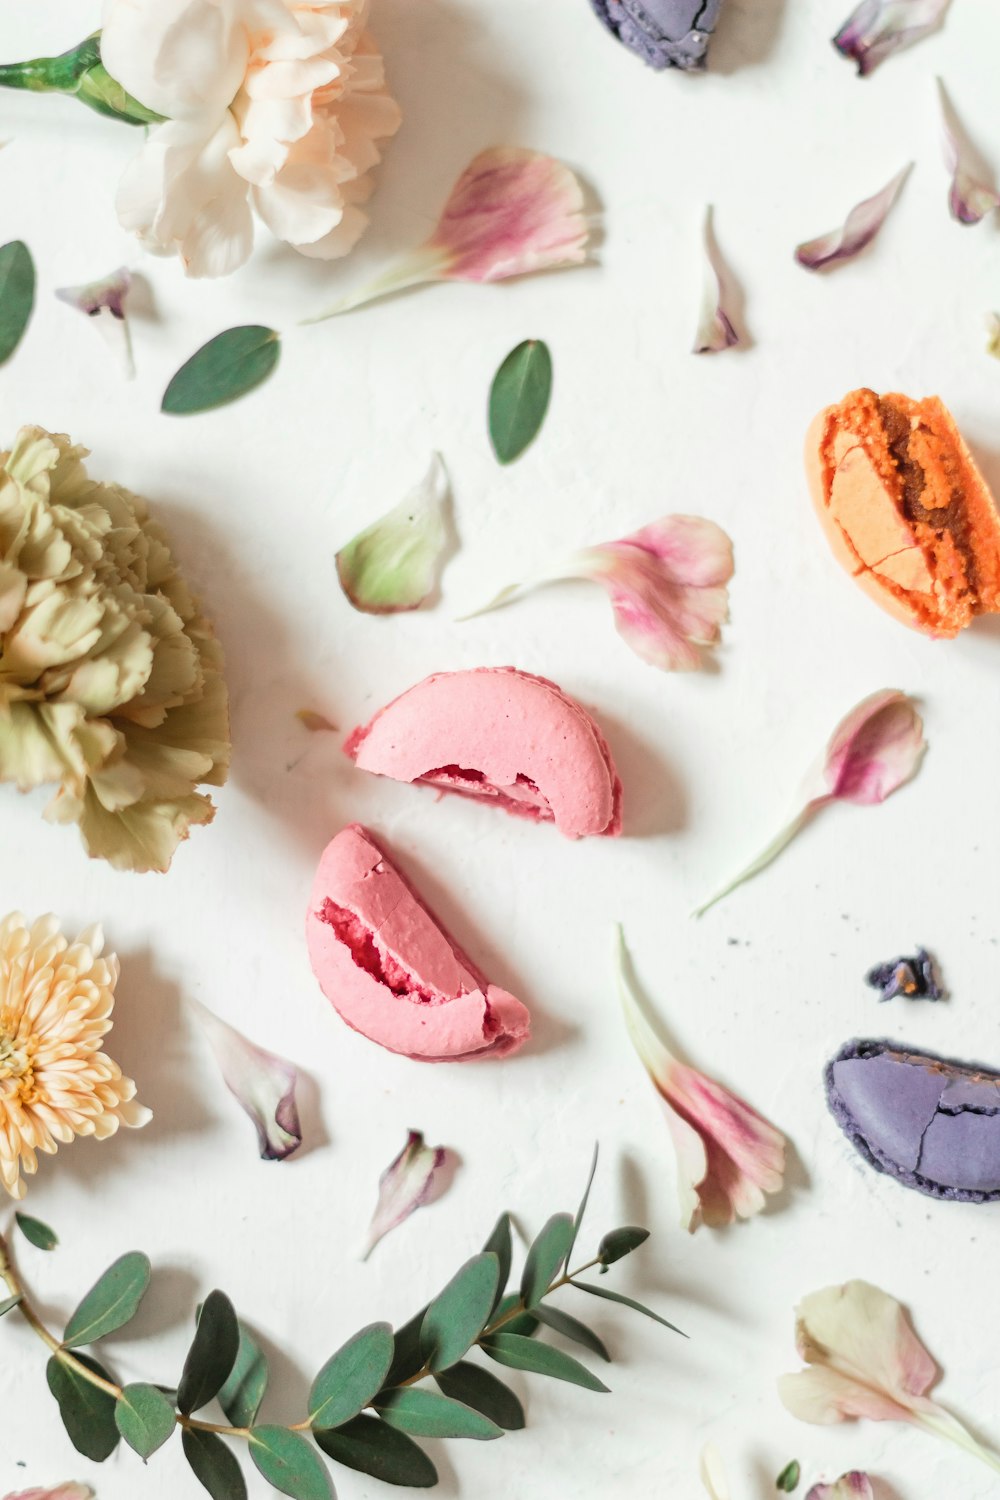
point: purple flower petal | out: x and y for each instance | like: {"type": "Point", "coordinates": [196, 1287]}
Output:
{"type": "Point", "coordinates": [852, 1486]}
{"type": "Point", "coordinates": [105, 301]}
{"type": "Point", "coordinates": [407, 1184]}
{"type": "Point", "coordinates": [715, 328]}
{"type": "Point", "coordinates": [878, 28]}
{"type": "Point", "coordinates": [263, 1083]}
{"type": "Point", "coordinates": [969, 198]}
{"type": "Point", "coordinates": [859, 229]}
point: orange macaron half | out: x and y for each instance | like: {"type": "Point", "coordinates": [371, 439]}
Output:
{"type": "Point", "coordinates": [905, 509]}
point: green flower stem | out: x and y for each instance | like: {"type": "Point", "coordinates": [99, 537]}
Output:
{"type": "Point", "coordinates": [80, 74]}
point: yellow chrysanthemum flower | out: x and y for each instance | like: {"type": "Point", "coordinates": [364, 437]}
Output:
{"type": "Point", "coordinates": [56, 1000]}
{"type": "Point", "coordinates": [110, 677]}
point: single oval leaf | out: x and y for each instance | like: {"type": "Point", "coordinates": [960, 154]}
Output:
{"type": "Point", "coordinates": [37, 1233]}
{"type": "Point", "coordinates": [351, 1377]}
{"type": "Point", "coordinates": [424, 1413]}
{"type": "Point", "coordinates": [145, 1418]}
{"type": "Point", "coordinates": [458, 1315]}
{"type": "Point", "coordinates": [623, 1301]}
{"type": "Point", "coordinates": [212, 1354]}
{"type": "Point", "coordinates": [214, 1465]}
{"type": "Point", "coordinates": [407, 1359]}
{"type": "Point", "coordinates": [17, 295]}
{"type": "Point", "coordinates": [112, 1301]}
{"type": "Point", "coordinates": [540, 1359]}
{"type": "Point", "coordinates": [519, 399]}
{"type": "Point", "coordinates": [88, 1413]}
{"type": "Point", "coordinates": [525, 1323]}
{"type": "Point", "coordinates": [547, 1253]}
{"type": "Point", "coordinates": [222, 370]}
{"type": "Point", "coordinates": [621, 1242]}
{"type": "Point", "coordinates": [288, 1462]}
{"type": "Point", "coordinates": [572, 1328]}
{"type": "Point", "coordinates": [481, 1390]}
{"type": "Point", "coordinates": [501, 1244]}
{"type": "Point", "coordinates": [241, 1395]}
{"type": "Point", "coordinates": [368, 1445]}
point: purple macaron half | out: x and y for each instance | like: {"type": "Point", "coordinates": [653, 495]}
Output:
{"type": "Point", "coordinates": [664, 33]}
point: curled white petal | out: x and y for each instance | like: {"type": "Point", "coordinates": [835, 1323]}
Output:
{"type": "Point", "coordinates": [858, 230]}
{"type": "Point", "coordinates": [410, 1181]}
{"type": "Point", "coordinates": [263, 1084]}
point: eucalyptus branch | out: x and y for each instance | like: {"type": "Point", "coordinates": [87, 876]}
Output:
{"type": "Point", "coordinates": [370, 1399]}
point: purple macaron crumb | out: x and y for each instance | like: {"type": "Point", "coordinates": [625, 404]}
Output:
{"type": "Point", "coordinates": [915, 978]}
{"type": "Point", "coordinates": [931, 1123]}
{"type": "Point", "coordinates": [664, 33]}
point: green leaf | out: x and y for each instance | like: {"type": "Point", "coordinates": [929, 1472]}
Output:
{"type": "Point", "coordinates": [288, 1462]}
{"type": "Point", "coordinates": [112, 1301]}
{"type": "Point", "coordinates": [481, 1390]}
{"type": "Point", "coordinates": [572, 1328]}
{"type": "Point", "coordinates": [88, 1413]}
{"type": "Point", "coordinates": [458, 1315]}
{"type": "Point", "coordinates": [17, 295]}
{"type": "Point", "coordinates": [8, 1304]}
{"type": "Point", "coordinates": [788, 1480]}
{"type": "Point", "coordinates": [407, 1358]}
{"type": "Point", "coordinates": [619, 1243]}
{"type": "Point", "coordinates": [37, 1233]}
{"type": "Point", "coordinates": [212, 1354]}
{"type": "Point", "coordinates": [610, 1296]}
{"type": "Point", "coordinates": [546, 1255]}
{"type": "Point", "coordinates": [526, 1323]}
{"type": "Point", "coordinates": [145, 1418]}
{"type": "Point", "coordinates": [351, 1377]}
{"type": "Point", "coordinates": [519, 399]}
{"type": "Point", "coordinates": [501, 1244]}
{"type": "Point", "coordinates": [215, 1465]}
{"type": "Point", "coordinates": [370, 1446]}
{"type": "Point", "coordinates": [541, 1359]}
{"type": "Point", "coordinates": [222, 370]}
{"type": "Point", "coordinates": [241, 1395]}
{"type": "Point", "coordinates": [583, 1206]}
{"type": "Point", "coordinates": [425, 1413]}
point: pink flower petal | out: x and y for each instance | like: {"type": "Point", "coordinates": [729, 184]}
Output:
{"type": "Point", "coordinates": [262, 1083]}
{"type": "Point", "coordinates": [875, 750]}
{"type": "Point", "coordinates": [853, 1486]}
{"type": "Point", "coordinates": [61, 1492]}
{"type": "Point", "coordinates": [969, 198]}
{"type": "Point", "coordinates": [729, 1157]}
{"type": "Point", "coordinates": [408, 1183]}
{"type": "Point", "coordinates": [864, 1360]}
{"type": "Point", "coordinates": [859, 229]}
{"type": "Point", "coordinates": [878, 28]}
{"type": "Point", "coordinates": [715, 328]}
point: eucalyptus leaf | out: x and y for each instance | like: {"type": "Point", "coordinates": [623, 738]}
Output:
{"type": "Point", "coordinates": [214, 1465]}
{"type": "Point", "coordinates": [241, 1395]}
{"type": "Point", "coordinates": [546, 1255]}
{"type": "Point", "coordinates": [458, 1315]}
{"type": "Point", "coordinates": [519, 399]}
{"type": "Point", "coordinates": [619, 1243]}
{"type": "Point", "coordinates": [145, 1418]}
{"type": "Point", "coordinates": [583, 1205]}
{"type": "Point", "coordinates": [288, 1462]}
{"type": "Point", "coordinates": [112, 1301]}
{"type": "Point", "coordinates": [610, 1296]}
{"type": "Point", "coordinates": [8, 1304]}
{"type": "Point", "coordinates": [17, 295]}
{"type": "Point", "coordinates": [501, 1244]}
{"type": "Point", "coordinates": [370, 1446]}
{"type": "Point", "coordinates": [424, 1413]}
{"type": "Point", "coordinates": [212, 1355]}
{"type": "Point", "coordinates": [540, 1359]}
{"type": "Point", "coordinates": [572, 1328]}
{"type": "Point", "coordinates": [480, 1389]}
{"type": "Point", "coordinates": [222, 370]}
{"type": "Point", "coordinates": [407, 1359]}
{"type": "Point", "coordinates": [88, 1413]}
{"type": "Point", "coordinates": [525, 1323]}
{"type": "Point", "coordinates": [788, 1480]}
{"type": "Point", "coordinates": [351, 1377]}
{"type": "Point", "coordinates": [36, 1233]}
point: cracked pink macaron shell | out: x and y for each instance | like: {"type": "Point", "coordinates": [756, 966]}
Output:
{"type": "Point", "coordinates": [497, 734]}
{"type": "Point", "coordinates": [392, 972]}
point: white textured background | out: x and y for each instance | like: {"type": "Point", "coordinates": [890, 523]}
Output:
{"type": "Point", "coordinates": [783, 138]}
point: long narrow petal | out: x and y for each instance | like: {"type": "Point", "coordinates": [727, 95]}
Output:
{"type": "Point", "coordinates": [713, 1475]}
{"type": "Point", "coordinates": [969, 198]}
{"type": "Point", "coordinates": [393, 564]}
{"type": "Point", "coordinates": [407, 1184]}
{"type": "Point", "coordinates": [61, 1492]}
{"type": "Point", "coordinates": [715, 330]}
{"type": "Point", "coordinates": [263, 1083]}
{"type": "Point", "coordinates": [859, 229]}
{"type": "Point", "coordinates": [779, 843]}
{"type": "Point", "coordinates": [878, 28]}
{"type": "Point", "coordinates": [105, 300]}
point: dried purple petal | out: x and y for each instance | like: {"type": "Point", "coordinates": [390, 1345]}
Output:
{"type": "Point", "coordinates": [715, 327]}
{"type": "Point", "coordinates": [878, 28]}
{"type": "Point", "coordinates": [969, 198]}
{"type": "Point", "coordinates": [859, 229]}
{"type": "Point", "coordinates": [105, 301]}
{"type": "Point", "coordinates": [913, 977]}
{"type": "Point", "coordinates": [263, 1084]}
{"type": "Point", "coordinates": [408, 1183]}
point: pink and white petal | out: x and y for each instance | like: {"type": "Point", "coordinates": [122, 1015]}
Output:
{"type": "Point", "coordinates": [969, 198]}
{"type": "Point", "coordinates": [302, 205]}
{"type": "Point", "coordinates": [181, 58]}
{"type": "Point", "coordinates": [696, 551]}
{"type": "Point", "coordinates": [692, 1166]}
{"type": "Point", "coordinates": [864, 1333]}
{"type": "Point", "coordinates": [649, 623]}
{"type": "Point", "coordinates": [878, 28]}
{"type": "Point", "coordinates": [413, 1179]}
{"type": "Point", "coordinates": [875, 749]}
{"type": "Point", "coordinates": [715, 330]}
{"type": "Point", "coordinates": [61, 1492]}
{"type": "Point", "coordinates": [852, 1486]}
{"type": "Point", "coordinates": [263, 1084]}
{"type": "Point", "coordinates": [859, 229]}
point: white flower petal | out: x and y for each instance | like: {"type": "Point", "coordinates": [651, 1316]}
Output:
{"type": "Point", "coordinates": [181, 58]}
{"type": "Point", "coordinates": [263, 1083]}
{"type": "Point", "coordinates": [392, 565]}
{"type": "Point", "coordinates": [301, 205]}
{"type": "Point", "coordinates": [406, 1185]}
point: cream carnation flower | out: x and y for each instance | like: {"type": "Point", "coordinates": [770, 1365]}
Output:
{"type": "Point", "coordinates": [110, 677]}
{"type": "Point", "coordinates": [274, 104]}
{"type": "Point", "coordinates": [56, 1000]}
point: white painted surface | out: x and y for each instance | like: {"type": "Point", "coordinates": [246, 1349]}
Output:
{"type": "Point", "coordinates": [783, 139]}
